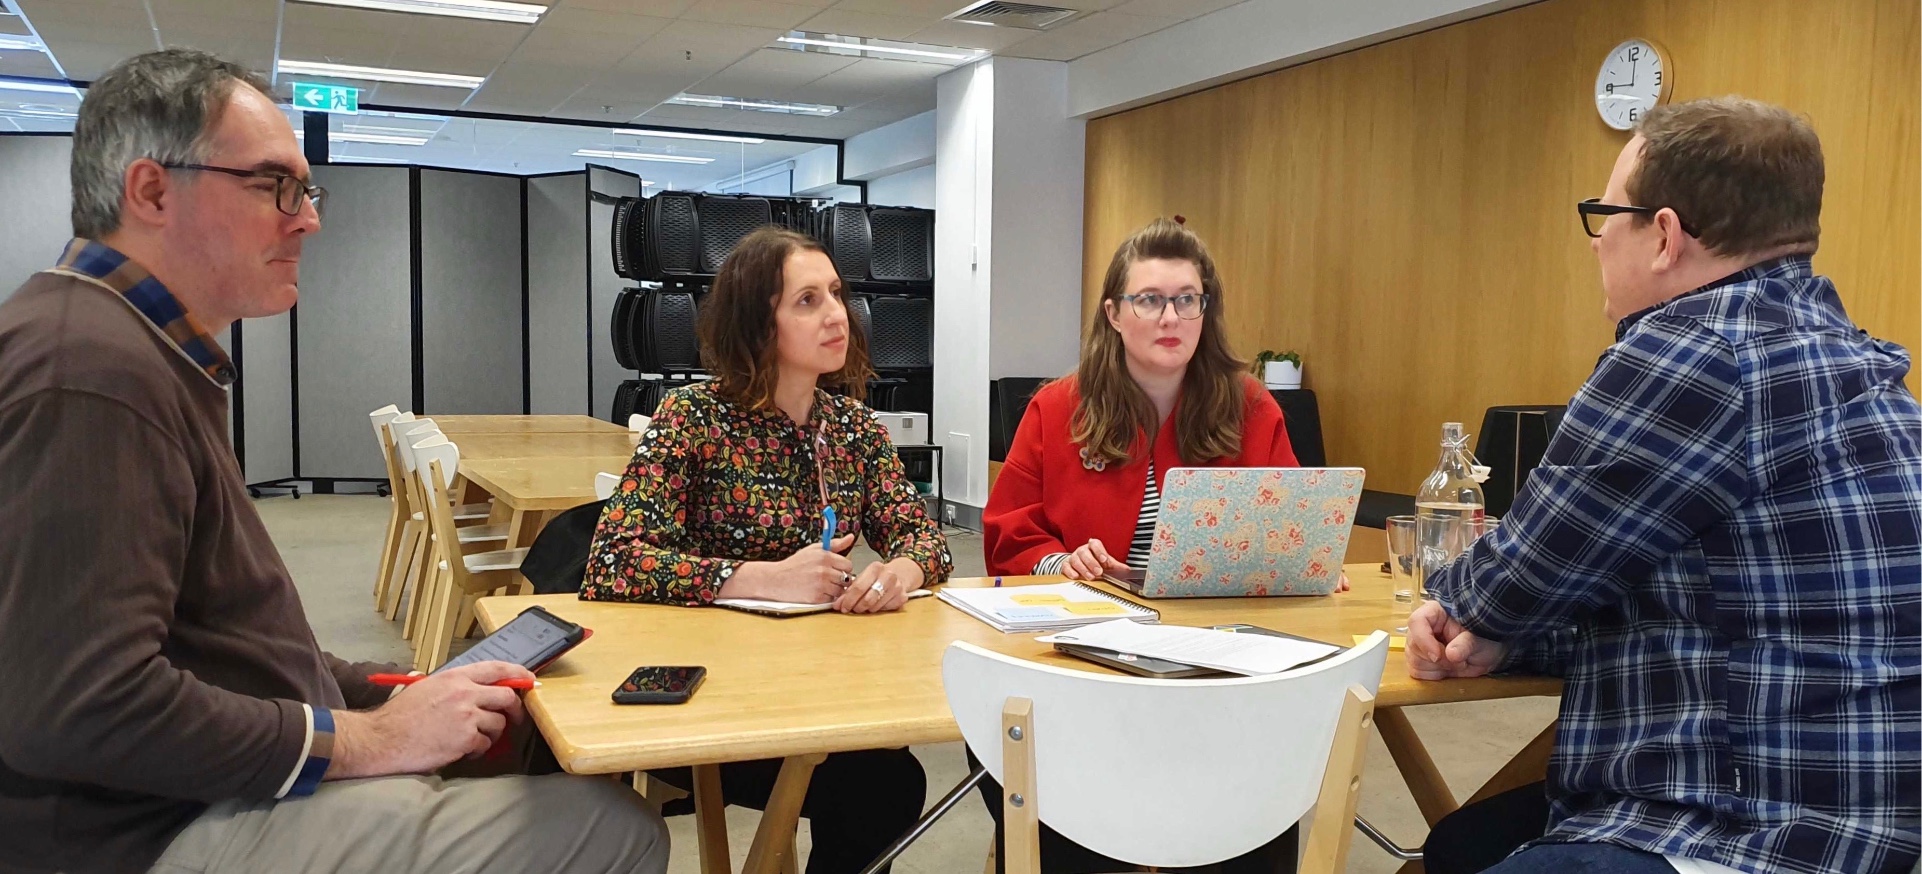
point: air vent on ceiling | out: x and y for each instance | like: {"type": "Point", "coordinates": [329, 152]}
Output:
{"type": "Point", "coordinates": [1027, 16]}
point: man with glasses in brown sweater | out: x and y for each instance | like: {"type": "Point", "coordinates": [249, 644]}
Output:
{"type": "Point", "coordinates": [163, 703]}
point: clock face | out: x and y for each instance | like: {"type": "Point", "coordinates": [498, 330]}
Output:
{"type": "Point", "coordinates": [1633, 79]}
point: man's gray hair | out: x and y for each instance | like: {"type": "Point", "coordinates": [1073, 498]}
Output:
{"type": "Point", "coordinates": [160, 105]}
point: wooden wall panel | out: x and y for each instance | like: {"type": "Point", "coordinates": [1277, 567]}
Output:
{"type": "Point", "coordinates": [1403, 215]}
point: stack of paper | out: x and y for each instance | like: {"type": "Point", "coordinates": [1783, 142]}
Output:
{"type": "Point", "coordinates": [1045, 608]}
{"type": "Point", "coordinates": [1246, 654]}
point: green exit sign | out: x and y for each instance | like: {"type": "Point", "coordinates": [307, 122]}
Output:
{"type": "Point", "coordinates": [327, 98]}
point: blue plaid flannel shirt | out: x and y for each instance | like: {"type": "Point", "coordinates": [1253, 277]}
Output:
{"type": "Point", "coordinates": [1719, 552]}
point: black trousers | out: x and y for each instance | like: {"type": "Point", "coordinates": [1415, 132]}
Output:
{"type": "Point", "coordinates": [1480, 835]}
{"type": "Point", "coordinates": [1062, 856]}
{"type": "Point", "coordinates": [857, 803]}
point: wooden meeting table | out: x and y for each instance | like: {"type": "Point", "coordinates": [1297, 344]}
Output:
{"type": "Point", "coordinates": [826, 683]}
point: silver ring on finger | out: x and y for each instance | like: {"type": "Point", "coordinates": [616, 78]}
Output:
{"type": "Point", "coordinates": [846, 578]}
{"type": "Point", "coordinates": [878, 588]}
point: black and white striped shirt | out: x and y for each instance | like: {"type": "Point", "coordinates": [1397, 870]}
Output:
{"type": "Point", "coordinates": [1145, 520]}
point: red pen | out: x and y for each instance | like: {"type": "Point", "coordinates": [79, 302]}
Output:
{"type": "Point", "coordinates": [410, 679]}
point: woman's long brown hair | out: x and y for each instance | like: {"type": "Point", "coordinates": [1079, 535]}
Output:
{"type": "Point", "coordinates": [737, 330]}
{"type": "Point", "coordinates": [1114, 412]}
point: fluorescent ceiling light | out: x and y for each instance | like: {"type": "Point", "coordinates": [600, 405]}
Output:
{"type": "Point", "coordinates": [485, 10]}
{"type": "Point", "coordinates": [372, 139]}
{"type": "Point", "coordinates": [641, 156]}
{"type": "Point", "coordinates": [683, 135]}
{"type": "Point", "coordinates": [815, 109]}
{"type": "Point", "coordinates": [42, 87]}
{"type": "Point", "coordinates": [380, 74]}
{"type": "Point", "coordinates": [19, 42]}
{"type": "Point", "coordinates": [855, 44]}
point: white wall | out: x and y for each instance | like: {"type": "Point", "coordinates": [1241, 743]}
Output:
{"type": "Point", "coordinates": [909, 188]}
{"type": "Point", "coordinates": [1036, 270]}
{"type": "Point", "coordinates": [964, 200]}
{"type": "Point", "coordinates": [1246, 39]}
{"type": "Point", "coordinates": [892, 148]}
{"type": "Point", "coordinates": [35, 206]}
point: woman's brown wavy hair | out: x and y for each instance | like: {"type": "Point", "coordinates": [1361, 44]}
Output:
{"type": "Point", "coordinates": [1114, 412]}
{"type": "Point", "coordinates": [737, 331]}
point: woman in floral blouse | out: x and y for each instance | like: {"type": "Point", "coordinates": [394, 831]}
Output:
{"type": "Point", "coordinates": [724, 499]}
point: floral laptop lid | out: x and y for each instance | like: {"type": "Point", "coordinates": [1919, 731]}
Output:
{"type": "Point", "coordinates": [1229, 532]}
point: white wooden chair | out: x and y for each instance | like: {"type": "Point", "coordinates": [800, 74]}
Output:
{"type": "Point", "coordinates": [604, 485]}
{"type": "Point", "coordinates": [636, 423]}
{"type": "Point", "coordinates": [456, 576]}
{"type": "Point", "coordinates": [1169, 773]}
{"type": "Point", "coordinates": [397, 517]}
{"type": "Point", "coordinates": [419, 559]}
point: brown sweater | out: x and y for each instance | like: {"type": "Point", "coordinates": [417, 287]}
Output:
{"type": "Point", "coordinates": [154, 656]}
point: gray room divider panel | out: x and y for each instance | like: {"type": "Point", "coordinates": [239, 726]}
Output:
{"type": "Point", "coordinates": [35, 200]}
{"type": "Point", "coordinates": [354, 320]}
{"type": "Point", "coordinates": [605, 371]}
{"type": "Point", "coordinates": [556, 295]}
{"type": "Point", "coordinates": [266, 394]}
{"type": "Point", "coordinates": [470, 291]}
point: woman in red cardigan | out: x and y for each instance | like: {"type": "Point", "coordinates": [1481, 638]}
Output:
{"type": "Point", "coordinates": [1158, 388]}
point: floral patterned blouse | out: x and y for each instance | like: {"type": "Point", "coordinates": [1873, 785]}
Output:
{"type": "Point", "coordinates": [714, 484]}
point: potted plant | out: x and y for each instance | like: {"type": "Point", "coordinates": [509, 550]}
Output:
{"type": "Point", "coordinates": [1278, 369]}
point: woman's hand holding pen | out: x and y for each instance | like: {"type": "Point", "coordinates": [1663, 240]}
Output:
{"type": "Point", "coordinates": [811, 575]}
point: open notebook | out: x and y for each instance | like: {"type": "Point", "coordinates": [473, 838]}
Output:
{"type": "Point", "coordinates": [783, 608]}
{"type": "Point", "coordinates": [1053, 607]}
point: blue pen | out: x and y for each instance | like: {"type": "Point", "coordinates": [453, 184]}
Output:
{"type": "Point", "coordinates": [827, 528]}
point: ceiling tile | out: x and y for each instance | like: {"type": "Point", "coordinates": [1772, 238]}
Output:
{"type": "Point", "coordinates": [872, 25]}
{"type": "Point", "coordinates": [772, 72]}
{"type": "Point", "coordinates": [12, 24]}
{"type": "Point", "coordinates": [512, 103]}
{"type": "Point", "coordinates": [1178, 9]}
{"type": "Point", "coordinates": [973, 36]}
{"type": "Point", "coordinates": [751, 13]}
{"type": "Point", "coordinates": [928, 9]}
{"type": "Point", "coordinates": [335, 45]}
{"type": "Point", "coordinates": [863, 80]}
{"type": "Point", "coordinates": [601, 21]}
{"type": "Point", "coordinates": [488, 40]}
{"type": "Point", "coordinates": [1091, 34]}
{"type": "Point", "coordinates": [258, 11]}
{"type": "Point", "coordinates": [88, 61]}
{"type": "Point", "coordinates": [34, 65]}
{"type": "Point", "coordinates": [656, 8]}
{"type": "Point", "coordinates": [92, 13]}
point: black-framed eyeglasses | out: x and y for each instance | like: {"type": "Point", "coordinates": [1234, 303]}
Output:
{"type": "Point", "coordinates": [1595, 213]}
{"type": "Point", "coordinates": [1150, 304]}
{"type": "Point", "coordinates": [289, 192]}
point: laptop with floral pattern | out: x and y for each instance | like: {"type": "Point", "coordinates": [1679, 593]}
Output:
{"type": "Point", "coordinates": [1228, 532]}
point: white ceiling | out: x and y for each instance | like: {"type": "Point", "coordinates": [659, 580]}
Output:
{"type": "Point", "coordinates": [611, 61]}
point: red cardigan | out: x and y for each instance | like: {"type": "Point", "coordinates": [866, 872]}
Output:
{"type": "Point", "coordinates": [1047, 501]}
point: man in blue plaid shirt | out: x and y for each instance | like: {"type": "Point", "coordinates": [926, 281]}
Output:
{"type": "Point", "coordinates": [1719, 551]}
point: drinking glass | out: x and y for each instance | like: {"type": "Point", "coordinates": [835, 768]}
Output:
{"type": "Point", "coordinates": [1401, 558]}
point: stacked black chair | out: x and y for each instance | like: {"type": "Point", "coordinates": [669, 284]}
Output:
{"type": "Point", "coordinates": [725, 219]}
{"type": "Point", "coordinates": [622, 327]}
{"type": "Point", "coordinates": [670, 236]}
{"type": "Point", "coordinates": [901, 244]}
{"type": "Point", "coordinates": [627, 230]}
{"type": "Point", "coordinates": [860, 314]}
{"type": "Point", "coordinates": [845, 231]}
{"type": "Point", "coordinates": [666, 338]}
{"type": "Point", "coordinates": [901, 333]}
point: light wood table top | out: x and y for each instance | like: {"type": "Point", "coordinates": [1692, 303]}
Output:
{"type": "Point", "coordinates": [490, 446]}
{"type": "Point", "coordinates": [829, 682]}
{"type": "Point", "coordinates": [537, 484]}
{"type": "Point", "coordinates": [456, 425]}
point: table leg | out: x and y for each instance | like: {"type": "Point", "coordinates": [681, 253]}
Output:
{"type": "Point", "coordinates": [710, 820]}
{"type": "Point", "coordinates": [521, 531]}
{"type": "Point", "coordinates": [1411, 758]}
{"type": "Point", "coordinates": [774, 840]}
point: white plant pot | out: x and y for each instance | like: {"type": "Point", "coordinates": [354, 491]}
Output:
{"type": "Point", "coordinates": [1281, 374]}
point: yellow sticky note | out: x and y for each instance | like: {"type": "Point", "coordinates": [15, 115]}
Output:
{"type": "Point", "coordinates": [1395, 642]}
{"type": "Point", "coordinates": [1038, 600]}
{"type": "Point", "coordinates": [1095, 608]}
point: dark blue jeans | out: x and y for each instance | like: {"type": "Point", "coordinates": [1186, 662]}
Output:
{"type": "Point", "coordinates": [1583, 859]}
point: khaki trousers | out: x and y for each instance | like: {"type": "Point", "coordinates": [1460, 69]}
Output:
{"type": "Point", "coordinates": [418, 825]}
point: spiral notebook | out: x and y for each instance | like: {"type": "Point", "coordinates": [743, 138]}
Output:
{"type": "Point", "coordinates": [1056, 607]}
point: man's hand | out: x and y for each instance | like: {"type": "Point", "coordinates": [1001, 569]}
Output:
{"type": "Point", "coordinates": [1439, 648]}
{"type": "Point", "coordinates": [435, 722]}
